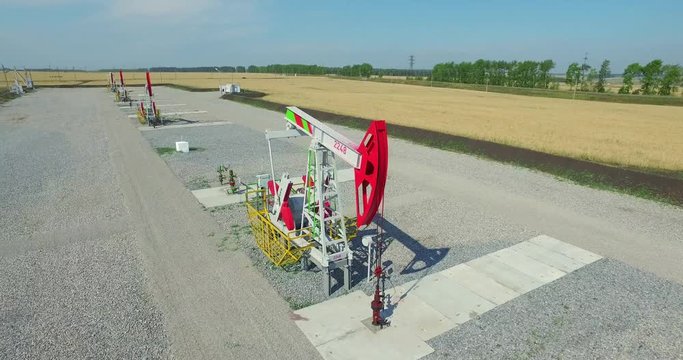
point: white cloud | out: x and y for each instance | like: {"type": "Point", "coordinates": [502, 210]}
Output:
{"type": "Point", "coordinates": [173, 10]}
{"type": "Point", "coordinates": [41, 3]}
{"type": "Point", "coordinates": [161, 8]}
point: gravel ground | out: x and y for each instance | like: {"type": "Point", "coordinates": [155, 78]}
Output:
{"type": "Point", "coordinates": [443, 209]}
{"type": "Point", "coordinates": [437, 248]}
{"type": "Point", "coordinates": [606, 310]}
{"type": "Point", "coordinates": [242, 149]}
{"type": "Point", "coordinates": [71, 284]}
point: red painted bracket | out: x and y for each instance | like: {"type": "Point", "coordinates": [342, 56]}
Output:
{"type": "Point", "coordinates": [285, 211]}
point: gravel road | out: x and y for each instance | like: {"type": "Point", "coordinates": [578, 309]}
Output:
{"type": "Point", "coordinates": [444, 208]}
{"type": "Point", "coordinates": [105, 254]}
{"type": "Point", "coordinates": [72, 284]}
{"type": "Point", "coordinates": [607, 310]}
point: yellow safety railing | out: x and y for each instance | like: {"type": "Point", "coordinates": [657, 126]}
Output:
{"type": "Point", "coordinates": [279, 246]}
{"type": "Point", "coordinates": [141, 117]}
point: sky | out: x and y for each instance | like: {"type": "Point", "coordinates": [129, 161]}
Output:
{"type": "Point", "coordinates": [96, 34]}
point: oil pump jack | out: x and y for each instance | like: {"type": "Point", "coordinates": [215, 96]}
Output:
{"type": "Point", "coordinates": [26, 78]}
{"type": "Point", "coordinates": [112, 83]}
{"type": "Point", "coordinates": [303, 221]}
{"type": "Point", "coordinates": [148, 112]}
{"type": "Point", "coordinates": [121, 92]}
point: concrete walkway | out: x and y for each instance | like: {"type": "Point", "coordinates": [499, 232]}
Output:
{"type": "Point", "coordinates": [420, 310]}
{"type": "Point", "coordinates": [215, 123]}
{"type": "Point", "coordinates": [217, 196]}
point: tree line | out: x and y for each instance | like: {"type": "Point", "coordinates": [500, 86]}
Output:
{"type": "Point", "coordinates": [359, 70]}
{"type": "Point", "coordinates": [586, 78]}
{"type": "Point", "coordinates": [529, 74]}
{"type": "Point", "coordinates": [362, 70]}
{"type": "Point", "coordinates": [655, 78]}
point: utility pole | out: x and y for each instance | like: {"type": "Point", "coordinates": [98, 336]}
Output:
{"type": "Point", "coordinates": [580, 77]}
{"type": "Point", "coordinates": [584, 67]}
{"type": "Point", "coordinates": [5, 73]}
{"type": "Point", "coordinates": [411, 61]}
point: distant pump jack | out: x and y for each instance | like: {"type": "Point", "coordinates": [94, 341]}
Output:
{"type": "Point", "coordinates": [147, 111]}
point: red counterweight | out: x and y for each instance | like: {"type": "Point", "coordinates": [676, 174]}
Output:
{"type": "Point", "coordinates": [371, 176]}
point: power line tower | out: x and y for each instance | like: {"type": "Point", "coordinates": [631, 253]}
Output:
{"type": "Point", "coordinates": [411, 61]}
{"type": "Point", "coordinates": [584, 67]}
{"type": "Point", "coordinates": [582, 75]}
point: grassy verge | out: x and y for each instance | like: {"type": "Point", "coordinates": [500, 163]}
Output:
{"type": "Point", "coordinates": [80, 84]}
{"type": "Point", "coordinates": [651, 184]}
{"type": "Point", "coordinates": [165, 150]}
{"type": "Point", "coordinates": [187, 88]}
{"type": "Point", "coordinates": [549, 93]}
{"type": "Point", "coordinates": [170, 151]}
{"type": "Point", "coordinates": [6, 96]}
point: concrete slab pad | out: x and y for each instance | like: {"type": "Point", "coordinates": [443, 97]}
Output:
{"type": "Point", "coordinates": [176, 113]}
{"type": "Point", "coordinates": [166, 105]}
{"type": "Point", "coordinates": [403, 290]}
{"type": "Point", "coordinates": [415, 315]}
{"type": "Point", "coordinates": [547, 256]}
{"type": "Point", "coordinates": [422, 309]}
{"type": "Point", "coordinates": [217, 196]}
{"type": "Point", "coordinates": [576, 253]}
{"type": "Point", "coordinates": [451, 299]}
{"type": "Point", "coordinates": [389, 343]}
{"type": "Point", "coordinates": [335, 318]}
{"type": "Point", "coordinates": [505, 274]}
{"type": "Point", "coordinates": [480, 284]}
{"type": "Point", "coordinates": [534, 268]}
{"type": "Point", "coordinates": [179, 126]}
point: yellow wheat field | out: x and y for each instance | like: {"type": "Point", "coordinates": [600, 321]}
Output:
{"type": "Point", "coordinates": [645, 136]}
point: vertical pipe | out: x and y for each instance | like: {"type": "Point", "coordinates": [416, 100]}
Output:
{"type": "Point", "coordinates": [307, 180]}
{"type": "Point", "coordinates": [4, 73]}
{"type": "Point", "coordinates": [272, 172]}
{"type": "Point", "coordinates": [321, 203]}
{"type": "Point", "coordinates": [149, 84]}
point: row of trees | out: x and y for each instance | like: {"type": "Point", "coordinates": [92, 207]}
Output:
{"type": "Point", "coordinates": [288, 69]}
{"type": "Point", "coordinates": [192, 69]}
{"type": "Point", "coordinates": [655, 78]}
{"type": "Point", "coordinates": [362, 70]}
{"type": "Point", "coordinates": [528, 74]}
{"type": "Point", "coordinates": [586, 78]}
